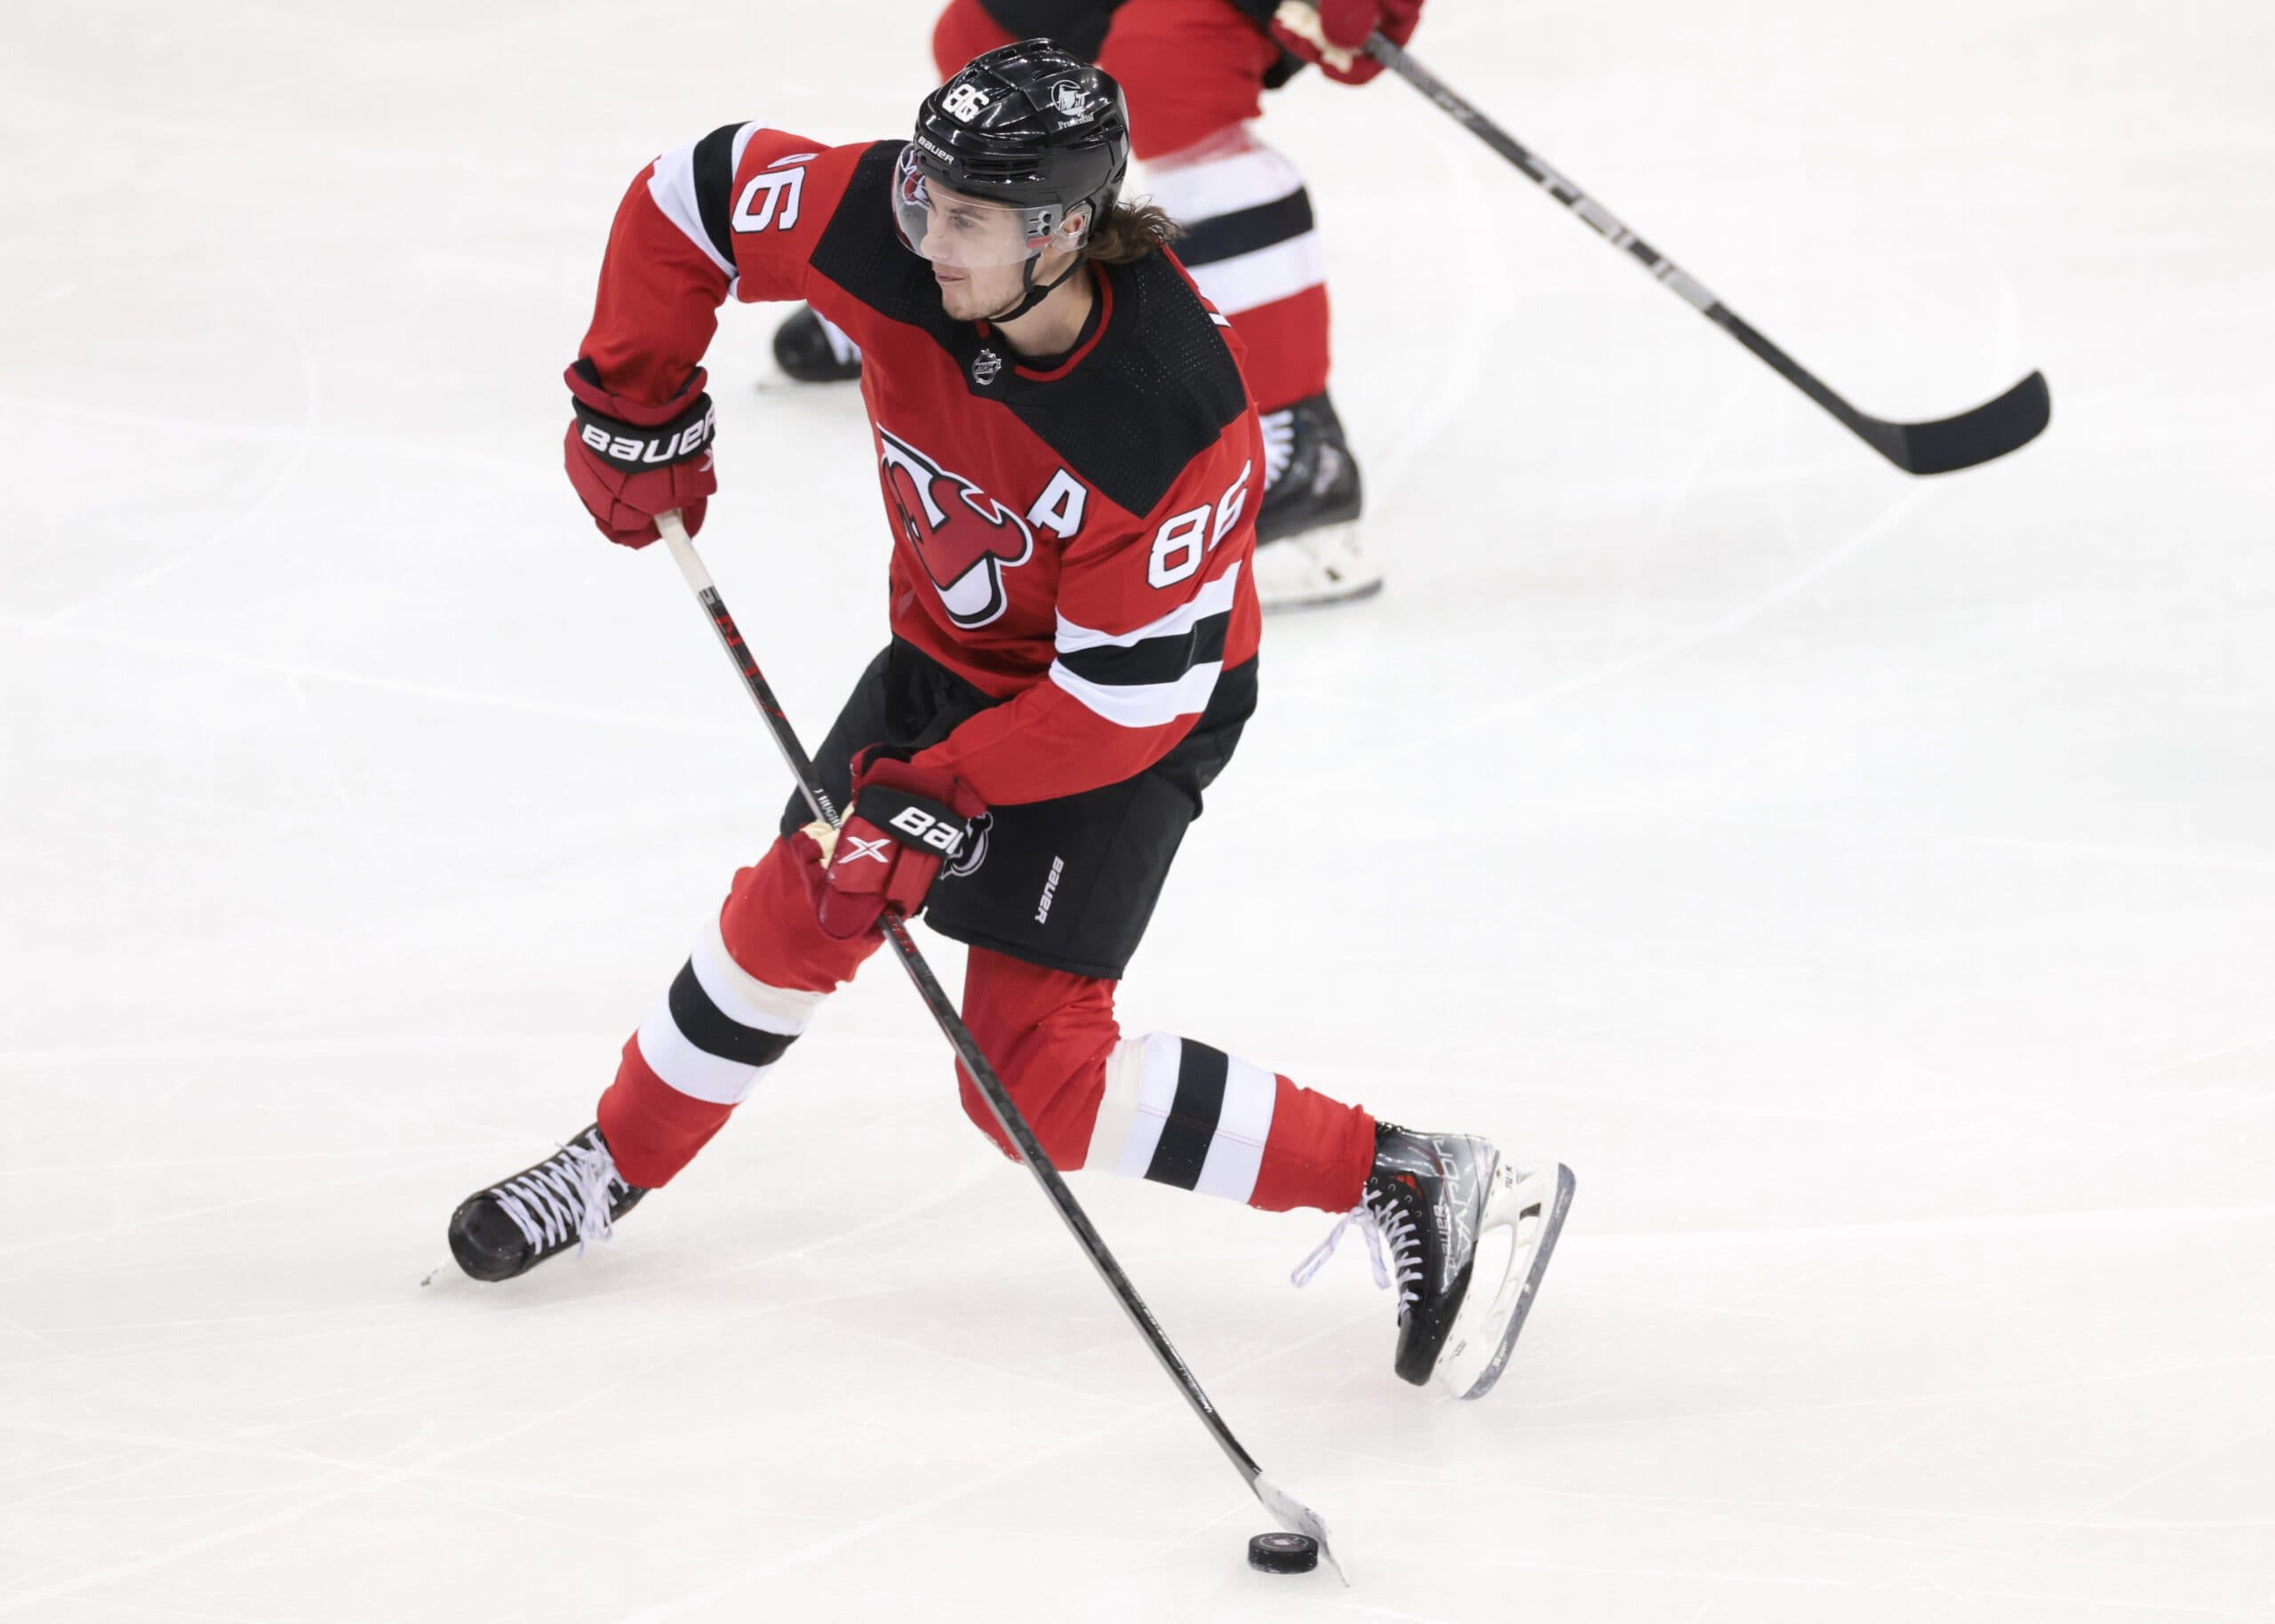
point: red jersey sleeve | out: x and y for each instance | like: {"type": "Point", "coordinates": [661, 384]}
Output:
{"type": "Point", "coordinates": [736, 214]}
{"type": "Point", "coordinates": [1149, 614]}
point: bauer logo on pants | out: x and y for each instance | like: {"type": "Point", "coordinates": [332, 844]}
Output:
{"type": "Point", "coordinates": [964, 538]}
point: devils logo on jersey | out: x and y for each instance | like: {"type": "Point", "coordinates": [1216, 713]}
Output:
{"type": "Point", "coordinates": [964, 538]}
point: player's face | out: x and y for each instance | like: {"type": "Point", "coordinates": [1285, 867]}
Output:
{"type": "Point", "coordinates": [970, 294]}
{"type": "Point", "coordinates": [980, 251]}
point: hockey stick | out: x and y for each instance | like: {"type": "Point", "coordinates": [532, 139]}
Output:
{"type": "Point", "coordinates": [1291, 1513]}
{"type": "Point", "coordinates": [1990, 431]}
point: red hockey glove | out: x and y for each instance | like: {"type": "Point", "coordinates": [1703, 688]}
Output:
{"type": "Point", "coordinates": [631, 461]}
{"type": "Point", "coordinates": [905, 823]}
{"type": "Point", "coordinates": [1333, 33]}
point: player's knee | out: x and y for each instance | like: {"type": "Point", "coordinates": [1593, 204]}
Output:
{"type": "Point", "coordinates": [1045, 1033]}
{"type": "Point", "coordinates": [768, 924]}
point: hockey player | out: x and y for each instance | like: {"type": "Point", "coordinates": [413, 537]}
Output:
{"type": "Point", "coordinates": [1068, 460]}
{"type": "Point", "coordinates": [1195, 71]}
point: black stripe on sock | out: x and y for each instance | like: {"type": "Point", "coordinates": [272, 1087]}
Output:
{"type": "Point", "coordinates": [715, 187]}
{"type": "Point", "coordinates": [714, 1032]}
{"type": "Point", "coordinates": [1243, 231]}
{"type": "Point", "coordinates": [1192, 1117]}
{"type": "Point", "coordinates": [1152, 659]}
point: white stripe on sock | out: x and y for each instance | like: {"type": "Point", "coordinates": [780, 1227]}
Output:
{"type": "Point", "coordinates": [689, 1070]}
{"type": "Point", "coordinates": [1236, 1152]}
{"type": "Point", "coordinates": [1140, 1087]}
{"type": "Point", "coordinates": [1195, 192]}
{"type": "Point", "coordinates": [1263, 277]}
{"type": "Point", "coordinates": [743, 998]}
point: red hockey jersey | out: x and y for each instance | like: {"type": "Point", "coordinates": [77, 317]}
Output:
{"type": "Point", "coordinates": [1076, 543]}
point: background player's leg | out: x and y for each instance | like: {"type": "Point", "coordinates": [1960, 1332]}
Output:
{"type": "Point", "coordinates": [1158, 1107]}
{"type": "Point", "coordinates": [962, 31]}
{"type": "Point", "coordinates": [1193, 71]}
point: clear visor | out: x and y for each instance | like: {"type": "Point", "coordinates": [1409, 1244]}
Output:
{"type": "Point", "coordinates": [963, 233]}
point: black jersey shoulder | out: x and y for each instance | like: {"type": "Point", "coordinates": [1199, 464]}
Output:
{"type": "Point", "coordinates": [1160, 388]}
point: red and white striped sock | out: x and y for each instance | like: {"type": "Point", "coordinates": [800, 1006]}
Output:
{"type": "Point", "coordinates": [1180, 1112]}
{"type": "Point", "coordinates": [754, 980]}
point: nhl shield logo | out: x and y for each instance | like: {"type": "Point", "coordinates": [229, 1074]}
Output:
{"type": "Point", "coordinates": [984, 366]}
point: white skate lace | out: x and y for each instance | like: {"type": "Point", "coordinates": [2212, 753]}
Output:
{"type": "Point", "coordinates": [1279, 443]}
{"type": "Point", "coordinates": [1390, 1222]}
{"type": "Point", "coordinates": [564, 1195]}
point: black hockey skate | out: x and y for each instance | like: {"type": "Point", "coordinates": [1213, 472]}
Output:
{"type": "Point", "coordinates": [573, 1195]}
{"type": "Point", "coordinates": [1307, 528]}
{"type": "Point", "coordinates": [813, 351]}
{"type": "Point", "coordinates": [1469, 1236]}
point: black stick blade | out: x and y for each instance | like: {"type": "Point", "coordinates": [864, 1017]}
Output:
{"type": "Point", "coordinates": [1990, 431]}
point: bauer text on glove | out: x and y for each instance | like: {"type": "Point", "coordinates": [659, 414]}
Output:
{"type": "Point", "coordinates": [630, 461]}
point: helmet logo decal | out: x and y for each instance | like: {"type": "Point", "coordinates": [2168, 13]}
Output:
{"type": "Point", "coordinates": [1069, 100]}
{"type": "Point", "coordinates": [963, 536]}
{"type": "Point", "coordinates": [964, 103]}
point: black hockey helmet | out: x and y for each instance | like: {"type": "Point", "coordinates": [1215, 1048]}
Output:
{"type": "Point", "coordinates": [1028, 128]}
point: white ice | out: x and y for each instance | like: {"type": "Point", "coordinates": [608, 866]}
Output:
{"type": "Point", "coordinates": [1867, 884]}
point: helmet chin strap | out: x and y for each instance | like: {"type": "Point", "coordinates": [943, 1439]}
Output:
{"type": "Point", "coordinates": [1032, 295]}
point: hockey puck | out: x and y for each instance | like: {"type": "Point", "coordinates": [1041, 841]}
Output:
{"type": "Point", "coordinates": [1284, 1553]}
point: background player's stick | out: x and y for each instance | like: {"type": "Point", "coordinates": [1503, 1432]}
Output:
{"type": "Point", "coordinates": [1990, 431]}
{"type": "Point", "coordinates": [1291, 1513]}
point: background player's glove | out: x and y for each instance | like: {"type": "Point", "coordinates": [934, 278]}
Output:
{"type": "Point", "coordinates": [630, 462]}
{"type": "Point", "coordinates": [1333, 33]}
{"type": "Point", "coordinates": [905, 821]}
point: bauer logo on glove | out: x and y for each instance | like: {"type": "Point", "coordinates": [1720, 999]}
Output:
{"type": "Point", "coordinates": [632, 458]}
{"type": "Point", "coordinates": [913, 822]}
{"type": "Point", "coordinates": [905, 822]}
{"type": "Point", "coordinates": [672, 443]}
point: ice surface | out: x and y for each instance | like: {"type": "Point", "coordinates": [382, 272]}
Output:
{"type": "Point", "coordinates": [1884, 926]}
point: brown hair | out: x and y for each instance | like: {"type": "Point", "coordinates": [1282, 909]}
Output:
{"type": "Point", "coordinates": [1130, 232]}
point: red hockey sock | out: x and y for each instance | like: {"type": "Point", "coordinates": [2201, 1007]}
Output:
{"type": "Point", "coordinates": [1181, 1112]}
{"type": "Point", "coordinates": [747, 991]}
{"type": "Point", "coordinates": [1319, 1155]}
{"type": "Point", "coordinates": [1158, 1107]}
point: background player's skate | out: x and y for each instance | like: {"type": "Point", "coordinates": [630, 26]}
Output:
{"type": "Point", "coordinates": [812, 349]}
{"type": "Point", "coordinates": [1468, 1236]}
{"type": "Point", "coordinates": [1308, 531]}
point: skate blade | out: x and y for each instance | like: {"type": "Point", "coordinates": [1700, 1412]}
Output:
{"type": "Point", "coordinates": [1529, 1211]}
{"type": "Point", "coordinates": [1315, 569]}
